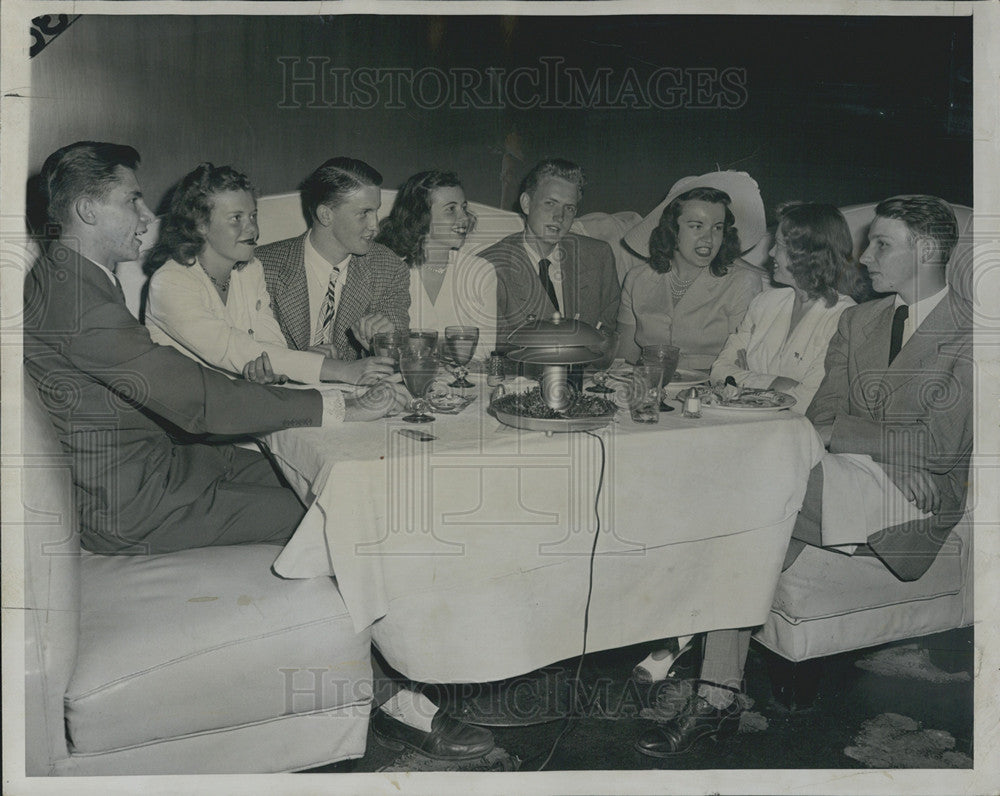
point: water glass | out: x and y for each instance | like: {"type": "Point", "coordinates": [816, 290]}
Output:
{"type": "Point", "coordinates": [389, 344]}
{"type": "Point", "coordinates": [422, 341]}
{"type": "Point", "coordinates": [644, 396]}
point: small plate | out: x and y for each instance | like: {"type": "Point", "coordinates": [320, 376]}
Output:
{"type": "Point", "coordinates": [786, 401]}
{"type": "Point", "coordinates": [687, 378]}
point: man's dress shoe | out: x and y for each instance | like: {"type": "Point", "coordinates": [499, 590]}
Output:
{"type": "Point", "coordinates": [449, 739]}
{"type": "Point", "coordinates": [698, 720]}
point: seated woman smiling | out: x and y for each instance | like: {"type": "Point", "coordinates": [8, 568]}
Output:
{"type": "Point", "coordinates": [207, 296]}
{"type": "Point", "coordinates": [781, 343]}
{"type": "Point", "coordinates": [427, 227]}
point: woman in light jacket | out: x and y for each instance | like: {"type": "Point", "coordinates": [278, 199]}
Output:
{"type": "Point", "coordinates": [781, 343]}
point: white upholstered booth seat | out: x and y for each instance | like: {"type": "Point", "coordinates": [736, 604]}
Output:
{"type": "Point", "coordinates": [828, 602]}
{"type": "Point", "coordinates": [209, 639]}
{"type": "Point", "coordinates": [195, 662]}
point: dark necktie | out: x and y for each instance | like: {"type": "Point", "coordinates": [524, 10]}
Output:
{"type": "Point", "coordinates": [550, 289]}
{"type": "Point", "coordinates": [896, 339]}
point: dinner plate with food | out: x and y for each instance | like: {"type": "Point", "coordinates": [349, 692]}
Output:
{"type": "Point", "coordinates": [733, 398]}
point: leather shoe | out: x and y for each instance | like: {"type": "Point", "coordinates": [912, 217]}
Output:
{"type": "Point", "coordinates": [698, 720]}
{"type": "Point", "coordinates": [449, 739]}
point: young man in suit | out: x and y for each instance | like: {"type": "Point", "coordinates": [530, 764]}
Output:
{"type": "Point", "coordinates": [333, 288]}
{"type": "Point", "coordinates": [133, 415]}
{"type": "Point", "coordinates": [546, 268]}
{"type": "Point", "coordinates": [895, 412]}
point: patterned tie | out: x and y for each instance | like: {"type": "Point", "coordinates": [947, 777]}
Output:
{"type": "Point", "coordinates": [896, 338]}
{"type": "Point", "coordinates": [550, 289]}
{"type": "Point", "coordinates": [329, 307]}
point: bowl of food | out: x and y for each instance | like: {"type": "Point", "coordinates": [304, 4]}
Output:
{"type": "Point", "coordinates": [529, 411]}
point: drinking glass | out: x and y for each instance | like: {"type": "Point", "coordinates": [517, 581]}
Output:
{"type": "Point", "coordinates": [667, 356]}
{"type": "Point", "coordinates": [459, 345]}
{"type": "Point", "coordinates": [422, 341]}
{"type": "Point", "coordinates": [419, 370]}
{"type": "Point", "coordinates": [644, 397]}
{"type": "Point", "coordinates": [389, 344]}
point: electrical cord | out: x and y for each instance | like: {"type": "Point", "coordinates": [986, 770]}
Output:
{"type": "Point", "coordinates": [567, 721]}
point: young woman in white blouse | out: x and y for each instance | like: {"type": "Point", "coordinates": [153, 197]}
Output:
{"type": "Point", "coordinates": [781, 343]}
{"type": "Point", "coordinates": [207, 295]}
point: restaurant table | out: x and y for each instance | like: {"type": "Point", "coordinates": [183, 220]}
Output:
{"type": "Point", "coordinates": [469, 554]}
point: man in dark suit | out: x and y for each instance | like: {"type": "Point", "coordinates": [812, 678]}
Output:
{"type": "Point", "coordinates": [546, 268]}
{"type": "Point", "coordinates": [332, 287]}
{"type": "Point", "coordinates": [895, 412]}
{"type": "Point", "coordinates": [133, 414]}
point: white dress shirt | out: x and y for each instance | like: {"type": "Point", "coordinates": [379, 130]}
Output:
{"type": "Point", "coordinates": [919, 310]}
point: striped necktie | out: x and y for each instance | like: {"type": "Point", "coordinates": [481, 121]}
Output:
{"type": "Point", "coordinates": [329, 307]}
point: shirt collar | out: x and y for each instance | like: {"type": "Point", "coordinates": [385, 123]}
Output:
{"type": "Point", "coordinates": [919, 310]}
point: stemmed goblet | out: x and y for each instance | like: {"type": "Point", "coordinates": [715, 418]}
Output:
{"type": "Point", "coordinates": [419, 369]}
{"type": "Point", "coordinates": [459, 345]}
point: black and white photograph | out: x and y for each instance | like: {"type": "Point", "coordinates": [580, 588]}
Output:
{"type": "Point", "coordinates": [532, 397]}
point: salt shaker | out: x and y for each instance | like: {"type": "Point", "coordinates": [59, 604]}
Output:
{"type": "Point", "coordinates": [495, 369]}
{"type": "Point", "coordinates": [692, 405]}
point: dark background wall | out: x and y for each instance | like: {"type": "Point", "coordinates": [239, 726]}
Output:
{"type": "Point", "coordinates": [841, 109]}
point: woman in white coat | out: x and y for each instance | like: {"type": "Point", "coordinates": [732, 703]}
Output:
{"type": "Point", "coordinates": [781, 343]}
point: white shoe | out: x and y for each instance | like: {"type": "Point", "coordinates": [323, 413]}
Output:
{"type": "Point", "coordinates": [652, 670]}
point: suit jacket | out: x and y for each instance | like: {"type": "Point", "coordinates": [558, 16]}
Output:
{"type": "Point", "coordinates": [120, 402]}
{"type": "Point", "coordinates": [590, 283]}
{"type": "Point", "coordinates": [916, 412]}
{"type": "Point", "coordinates": [377, 282]}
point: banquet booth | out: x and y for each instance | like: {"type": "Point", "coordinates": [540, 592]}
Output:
{"type": "Point", "coordinates": [257, 658]}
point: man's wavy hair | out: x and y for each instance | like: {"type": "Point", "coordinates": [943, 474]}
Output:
{"type": "Point", "coordinates": [190, 208]}
{"type": "Point", "coordinates": [333, 182]}
{"type": "Point", "coordinates": [925, 217]}
{"type": "Point", "coordinates": [406, 227]}
{"type": "Point", "coordinates": [552, 167]}
{"type": "Point", "coordinates": [86, 168]}
{"type": "Point", "coordinates": [663, 239]}
{"type": "Point", "coordinates": [820, 249]}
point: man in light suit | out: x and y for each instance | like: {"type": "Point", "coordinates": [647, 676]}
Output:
{"type": "Point", "coordinates": [895, 411]}
{"type": "Point", "coordinates": [133, 415]}
{"type": "Point", "coordinates": [332, 288]}
{"type": "Point", "coordinates": [546, 268]}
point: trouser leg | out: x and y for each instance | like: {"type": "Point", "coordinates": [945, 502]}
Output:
{"type": "Point", "coordinates": [244, 504]}
{"type": "Point", "coordinates": [725, 656]}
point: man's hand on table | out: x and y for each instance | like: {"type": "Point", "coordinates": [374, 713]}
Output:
{"type": "Point", "coordinates": [916, 485]}
{"type": "Point", "coordinates": [379, 400]}
{"type": "Point", "coordinates": [369, 326]}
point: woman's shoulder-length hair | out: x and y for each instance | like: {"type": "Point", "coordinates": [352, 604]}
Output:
{"type": "Point", "coordinates": [189, 210]}
{"type": "Point", "coordinates": [820, 249]}
{"type": "Point", "coordinates": [663, 239]}
{"type": "Point", "coordinates": [409, 220]}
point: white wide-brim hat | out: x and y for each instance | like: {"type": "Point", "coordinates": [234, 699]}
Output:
{"type": "Point", "coordinates": [747, 207]}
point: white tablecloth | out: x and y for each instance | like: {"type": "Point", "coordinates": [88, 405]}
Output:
{"type": "Point", "coordinates": [470, 553]}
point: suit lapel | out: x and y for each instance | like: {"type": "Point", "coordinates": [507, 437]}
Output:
{"type": "Point", "coordinates": [291, 304]}
{"type": "Point", "coordinates": [572, 286]}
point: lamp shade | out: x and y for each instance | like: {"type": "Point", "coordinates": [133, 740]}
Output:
{"type": "Point", "coordinates": [556, 341]}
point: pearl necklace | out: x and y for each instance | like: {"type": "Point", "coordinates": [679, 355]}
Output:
{"type": "Point", "coordinates": [677, 287]}
{"type": "Point", "coordinates": [222, 286]}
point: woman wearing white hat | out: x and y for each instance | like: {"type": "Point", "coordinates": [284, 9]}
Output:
{"type": "Point", "coordinates": [694, 291]}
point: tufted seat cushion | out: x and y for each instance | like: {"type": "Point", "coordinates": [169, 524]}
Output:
{"type": "Point", "coordinates": [200, 640]}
